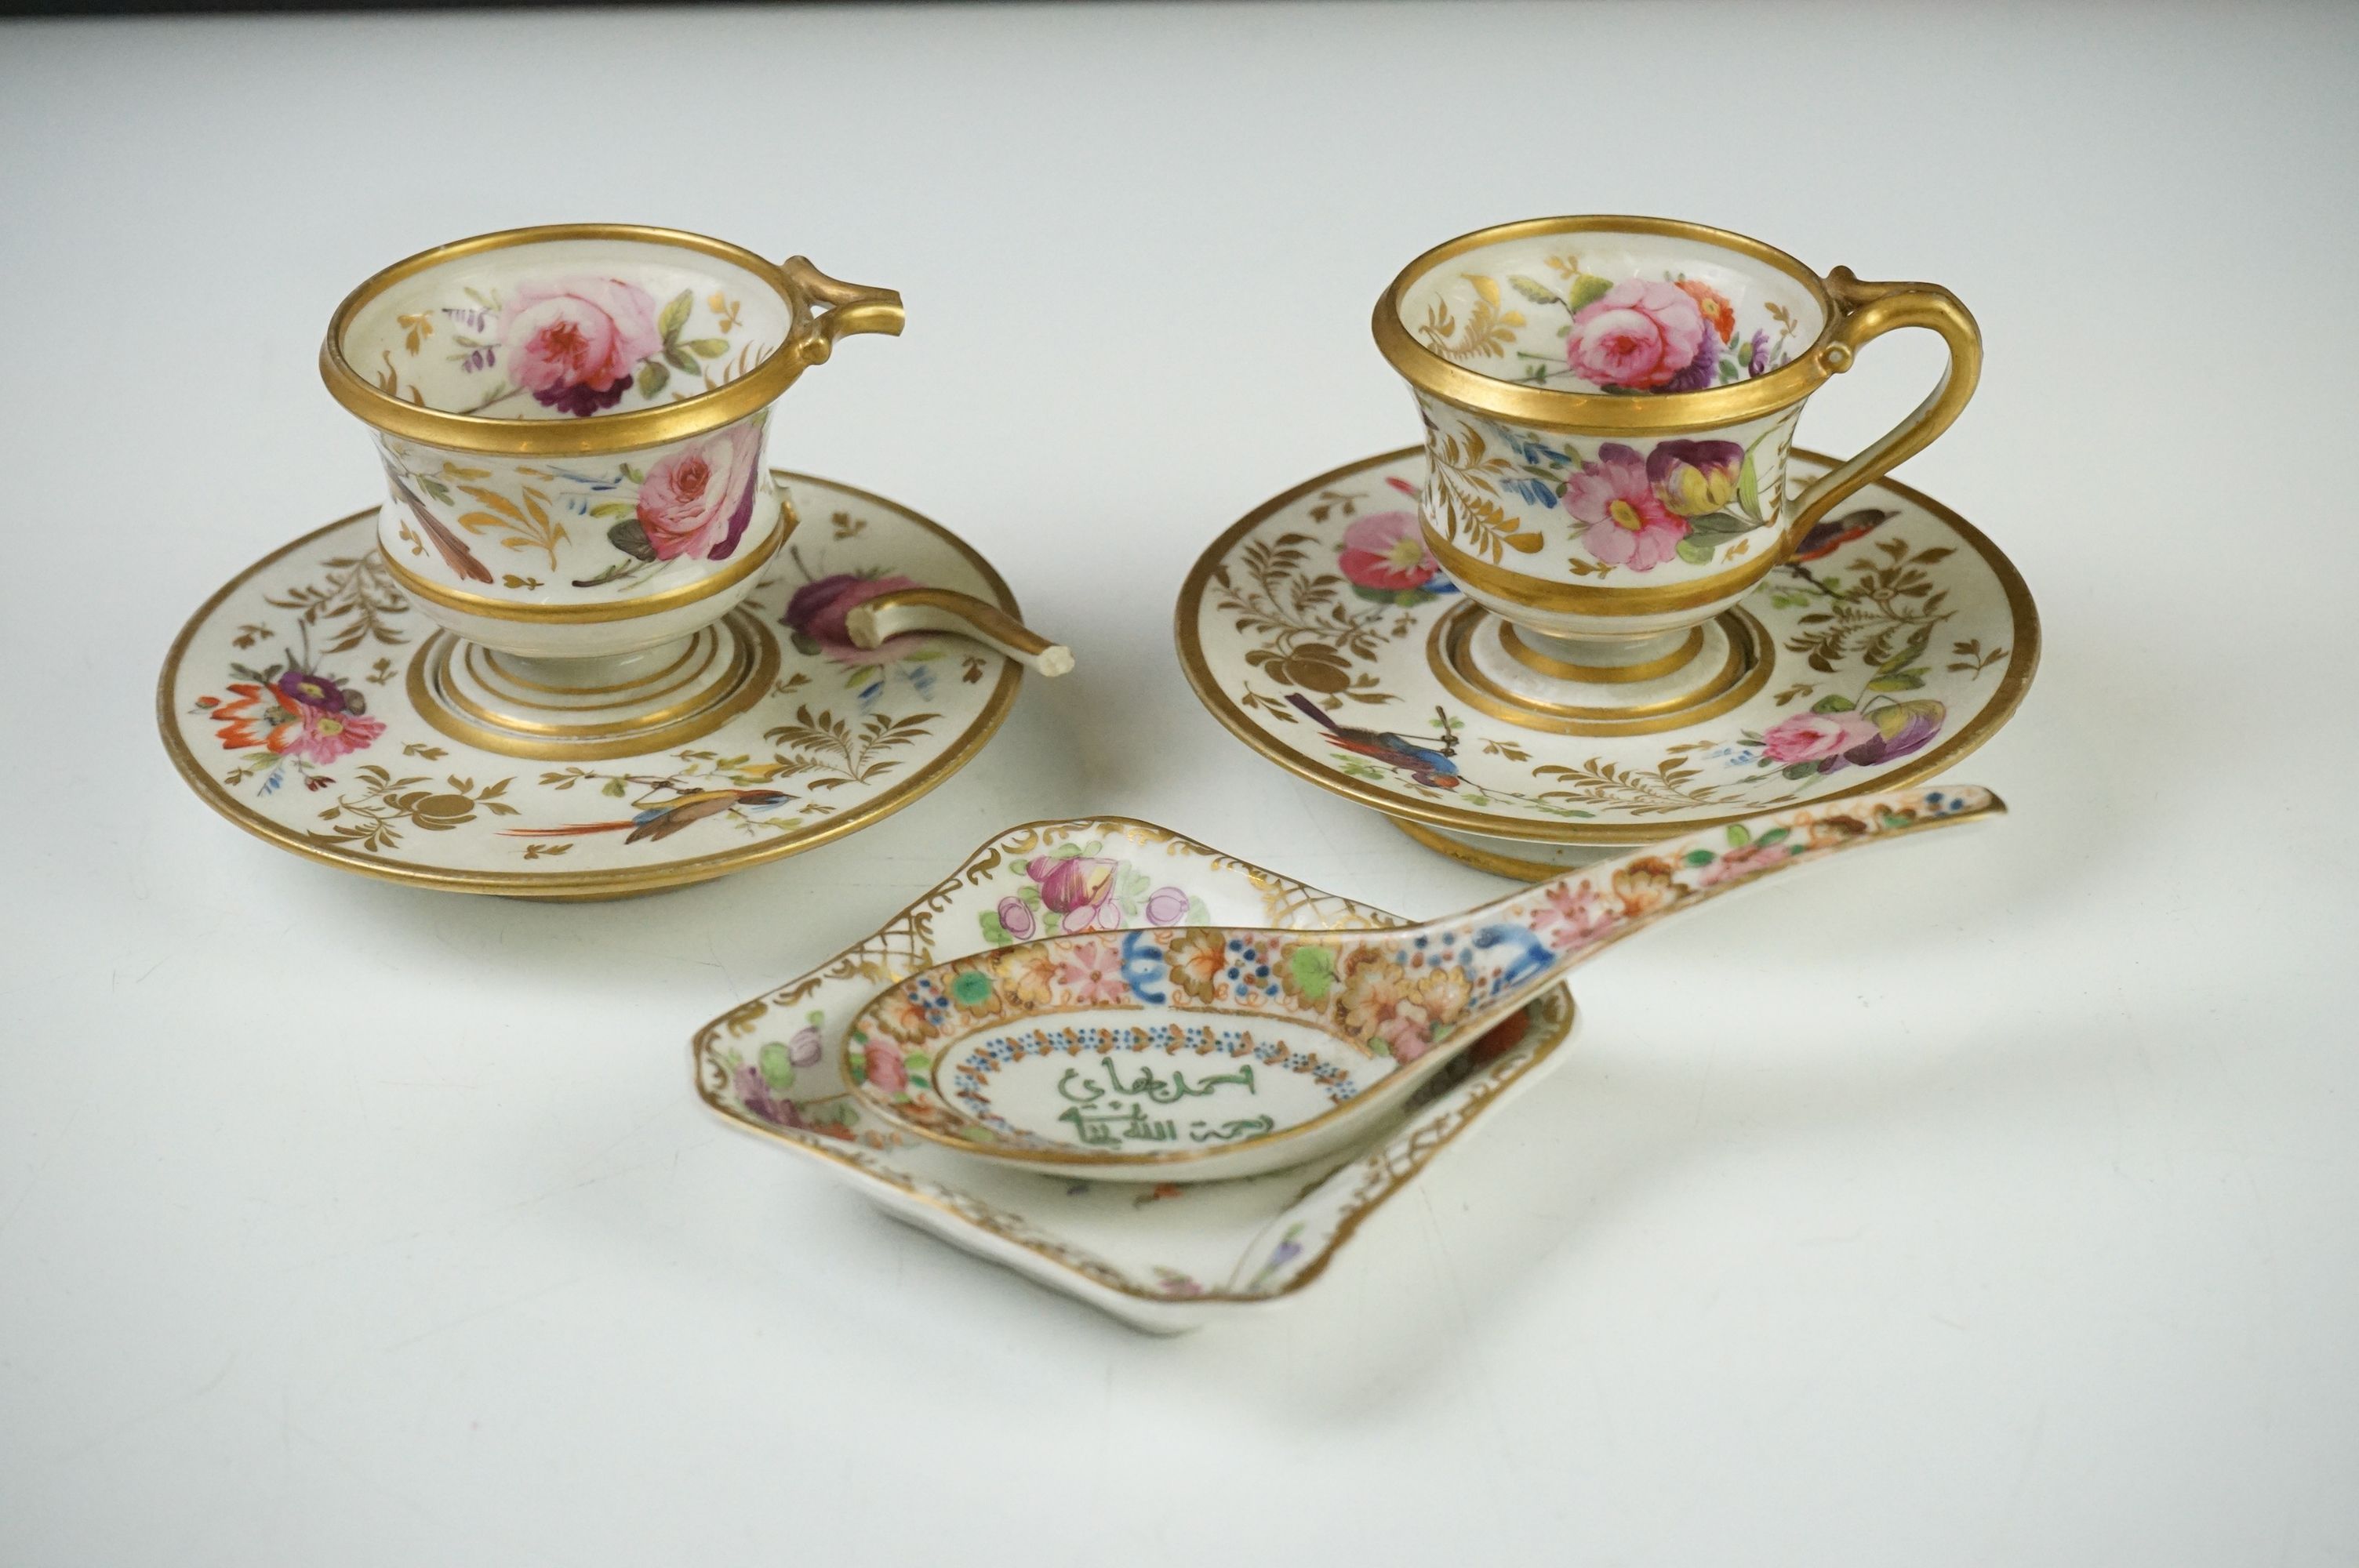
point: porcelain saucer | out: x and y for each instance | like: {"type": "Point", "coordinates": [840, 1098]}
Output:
{"type": "Point", "coordinates": [1896, 640]}
{"type": "Point", "coordinates": [1163, 1258]}
{"type": "Point", "coordinates": [289, 703]}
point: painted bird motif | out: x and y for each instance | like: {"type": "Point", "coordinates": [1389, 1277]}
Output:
{"type": "Point", "coordinates": [449, 545]}
{"type": "Point", "coordinates": [659, 822]}
{"type": "Point", "coordinates": [1425, 763]}
{"type": "Point", "coordinates": [1833, 534]}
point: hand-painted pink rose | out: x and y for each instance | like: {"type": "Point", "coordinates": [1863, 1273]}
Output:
{"type": "Point", "coordinates": [1385, 551]}
{"type": "Point", "coordinates": [1166, 906]}
{"type": "Point", "coordinates": [696, 503]}
{"type": "Point", "coordinates": [1813, 737]}
{"type": "Point", "coordinates": [576, 343]}
{"type": "Point", "coordinates": [1628, 524]}
{"type": "Point", "coordinates": [1015, 918]}
{"type": "Point", "coordinates": [818, 608]}
{"type": "Point", "coordinates": [882, 1060]}
{"type": "Point", "coordinates": [1639, 335]}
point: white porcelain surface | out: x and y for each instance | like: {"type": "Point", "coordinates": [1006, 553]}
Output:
{"type": "Point", "coordinates": [291, 696]}
{"type": "Point", "coordinates": [342, 1227]}
{"type": "Point", "coordinates": [1319, 658]}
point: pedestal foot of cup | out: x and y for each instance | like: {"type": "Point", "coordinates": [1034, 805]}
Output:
{"type": "Point", "coordinates": [1516, 857]}
{"type": "Point", "coordinates": [587, 710]}
{"type": "Point", "coordinates": [1623, 686]}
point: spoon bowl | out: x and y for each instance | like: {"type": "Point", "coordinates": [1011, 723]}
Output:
{"type": "Point", "coordinates": [1210, 1052]}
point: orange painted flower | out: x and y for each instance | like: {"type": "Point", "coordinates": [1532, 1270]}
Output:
{"type": "Point", "coordinates": [1031, 976]}
{"type": "Point", "coordinates": [1713, 304]}
{"type": "Point", "coordinates": [1197, 957]}
{"type": "Point", "coordinates": [903, 1016]}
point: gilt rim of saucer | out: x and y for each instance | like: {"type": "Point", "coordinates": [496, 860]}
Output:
{"type": "Point", "coordinates": [599, 884]}
{"type": "Point", "coordinates": [2022, 662]}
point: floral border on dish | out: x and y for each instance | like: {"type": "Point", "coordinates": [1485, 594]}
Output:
{"type": "Point", "coordinates": [1154, 1257]}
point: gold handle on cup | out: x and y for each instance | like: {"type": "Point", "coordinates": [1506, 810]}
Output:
{"type": "Point", "coordinates": [1870, 310]}
{"type": "Point", "coordinates": [851, 307]}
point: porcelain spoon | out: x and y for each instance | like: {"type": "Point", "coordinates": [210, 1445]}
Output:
{"type": "Point", "coordinates": [1202, 1052]}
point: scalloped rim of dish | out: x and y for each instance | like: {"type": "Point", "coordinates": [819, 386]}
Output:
{"type": "Point", "coordinates": [1150, 1308]}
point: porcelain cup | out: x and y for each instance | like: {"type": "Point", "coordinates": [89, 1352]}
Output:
{"type": "Point", "coordinates": [572, 421]}
{"type": "Point", "coordinates": [1608, 402]}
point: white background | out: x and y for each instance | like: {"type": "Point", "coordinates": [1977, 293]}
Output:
{"type": "Point", "coordinates": [1997, 1203]}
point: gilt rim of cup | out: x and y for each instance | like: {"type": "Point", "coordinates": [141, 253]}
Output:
{"type": "Point", "coordinates": [1604, 413]}
{"type": "Point", "coordinates": [602, 433]}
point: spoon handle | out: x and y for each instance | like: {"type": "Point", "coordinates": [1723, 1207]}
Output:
{"type": "Point", "coordinates": [907, 610]}
{"type": "Point", "coordinates": [1507, 952]}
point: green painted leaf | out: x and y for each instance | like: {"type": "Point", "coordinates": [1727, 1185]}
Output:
{"type": "Point", "coordinates": [1910, 654]}
{"type": "Point", "coordinates": [1800, 770]}
{"type": "Point", "coordinates": [1776, 836]}
{"type": "Point", "coordinates": [1721, 524]}
{"type": "Point", "coordinates": [993, 931]}
{"type": "Point", "coordinates": [617, 788]}
{"type": "Point", "coordinates": [1531, 288]}
{"type": "Point", "coordinates": [1699, 857]}
{"type": "Point", "coordinates": [675, 316]}
{"type": "Point", "coordinates": [777, 1067]}
{"type": "Point", "coordinates": [1906, 680]}
{"type": "Point", "coordinates": [681, 360]}
{"type": "Point", "coordinates": [631, 539]}
{"type": "Point", "coordinates": [1314, 971]}
{"type": "Point", "coordinates": [1696, 552]}
{"type": "Point", "coordinates": [711, 348]}
{"type": "Point", "coordinates": [652, 378]}
{"type": "Point", "coordinates": [1837, 703]}
{"type": "Point", "coordinates": [1587, 289]}
{"type": "Point", "coordinates": [1739, 835]}
{"type": "Point", "coordinates": [1748, 487]}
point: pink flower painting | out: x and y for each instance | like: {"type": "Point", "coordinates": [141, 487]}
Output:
{"type": "Point", "coordinates": [1574, 916]}
{"type": "Point", "coordinates": [1643, 336]}
{"type": "Point", "coordinates": [1092, 971]}
{"type": "Point", "coordinates": [1628, 525]}
{"type": "Point", "coordinates": [576, 343]}
{"type": "Point", "coordinates": [696, 503]}
{"type": "Point", "coordinates": [1384, 552]}
{"type": "Point", "coordinates": [816, 616]}
{"type": "Point", "coordinates": [1080, 888]}
{"type": "Point", "coordinates": [1810, 737]}
{"type": "Point", "coordinates": [884, 1065]}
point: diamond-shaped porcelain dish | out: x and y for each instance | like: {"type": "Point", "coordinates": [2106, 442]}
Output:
{"type": "Point", "coordinates": [1163, 1260]}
